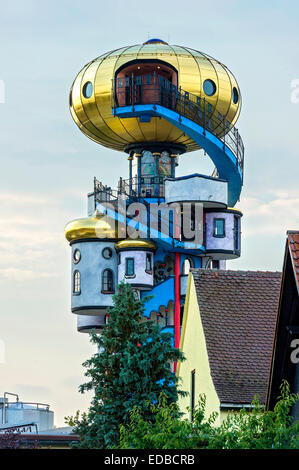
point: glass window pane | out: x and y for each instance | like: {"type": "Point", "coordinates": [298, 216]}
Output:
{"type": "Point", "coordinates": [219, 227]}
{"type": "Point", "coordinates": [77, 282]}
{"type": "Point", "coordinates": [129, 266]}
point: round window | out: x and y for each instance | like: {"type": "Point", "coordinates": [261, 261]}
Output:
{"type": "Point", "coordinates": [107, 253]}
{"type": "Point", "coordinates": [209, 87]}
{"type": "Point", "coordinates": [87, 90]}
{"type": "Point", "coordinates": [235, 95]}
{"type": "Point", "coordinates": [77, 256]}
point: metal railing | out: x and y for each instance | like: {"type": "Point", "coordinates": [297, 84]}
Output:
{"type": "Point", "coordinates": [158, 90]}
{"type": "Point", "coordinates": [129, 189]}
{"type": "Point", "coordinates": [31, 405]}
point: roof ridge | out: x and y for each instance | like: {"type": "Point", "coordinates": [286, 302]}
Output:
{"type": "Point", "coordinates": [234, 271]}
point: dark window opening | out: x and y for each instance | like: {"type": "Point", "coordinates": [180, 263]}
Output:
{"type": "Point", "coordinates": [107, 281]}
{"type": "Point", "coordinates": [148, 262]}
{"type": "Point", "coordinates": [182, 314]}
{"type": "Point", "coordinates": [235, 95]}
{"type": "Point", "coordinates": [236, 233]}
{"type": "Point", "coordinates": [215, 264]}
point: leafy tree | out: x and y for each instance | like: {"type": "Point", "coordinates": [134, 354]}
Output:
{"type": "Point", "coordinates": [166, 430]}
{"type": "Point", "coordinates": [133, 369]}
{"type": "Point", "coordinates": [255, 428]}
{"type": "Point", "coordinates": [259, 428]}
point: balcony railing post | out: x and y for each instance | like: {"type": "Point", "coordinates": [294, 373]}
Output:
{"type": "Point", "coordinates": [132, 90]}
{"type": "Point", "coordinates": [204, 116]}
{"type": "Point", "coordinates": [180, 100]}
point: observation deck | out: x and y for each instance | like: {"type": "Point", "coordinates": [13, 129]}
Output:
{"type": "Point", "coordinates": [192, 114]}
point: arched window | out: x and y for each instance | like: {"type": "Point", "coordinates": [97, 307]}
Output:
{"type": "Point", "coordinates": [77, 283]}
{"type": "Point", "coordinates": [188, 263]}
{"type": "Point", "coordinates": [107, 281]}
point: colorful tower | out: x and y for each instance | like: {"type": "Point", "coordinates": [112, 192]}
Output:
{"type": "Point", "coordinates": [155, 102]}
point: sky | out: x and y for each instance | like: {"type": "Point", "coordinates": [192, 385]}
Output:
{"type": "Point", "coordinates": [47, 165]}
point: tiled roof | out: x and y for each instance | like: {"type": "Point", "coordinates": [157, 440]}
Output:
{"type": "Point", "coordinates": [238, 311]}
{"type": "Point", "coordinates": [293, 242]}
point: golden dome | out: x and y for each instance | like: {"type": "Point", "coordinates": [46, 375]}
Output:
{"type": "Point", "coordinates": [129, 243]}
{"type": "Point", "coordinates": [90, 227]}
{"type": "Point", "coordinates": [93, 114]}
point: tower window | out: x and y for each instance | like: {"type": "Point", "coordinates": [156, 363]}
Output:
{"type": "Point", "coordinates": [209, 87]}
{"type": "Point", "coordinates": [107, 253]}
{"type": "Point", "coordinates": [107, 281]}
{"type": "Point", "coordinates": [130, 269]}
{"type": "Point", "coordinates": [236, 233]}
{"type": "Point", "coordinates": [188, 263]}
{"type": "Point", "coordinates": [235, 95]}
{"type": "Point", "coordinates": [77, 256]}
{"type": "Point", "coordinates": [219, 228]}
{"type": "Point", "coordinates": [87, 89]}
{"type": "Point", "coordinates": [77, 283]}
{"type": "Point", "coordinates": [148, 266]}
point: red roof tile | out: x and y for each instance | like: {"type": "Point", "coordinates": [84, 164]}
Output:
{"type": "Point", "coordinates": [293, 243]}
{"type": "Point", "coordinates": [238, 311]}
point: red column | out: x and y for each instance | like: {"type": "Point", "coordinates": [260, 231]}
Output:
{"type": "Point", "coordinates": [177, 272]}
{"type": "Point", "coordinates": [177, 305]}
{"type": "Point", "coordinates": [177, 310]}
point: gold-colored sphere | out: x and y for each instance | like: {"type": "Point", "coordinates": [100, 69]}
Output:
{"type": "Point", "coordinates": [91, 227]}
{"type": "Point", "coordinates": [130, 243]}
{"type": "Point", "coordinates": [94, 116]}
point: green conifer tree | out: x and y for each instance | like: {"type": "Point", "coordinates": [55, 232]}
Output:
{"type": "Point", "coordinates": [132, 370]}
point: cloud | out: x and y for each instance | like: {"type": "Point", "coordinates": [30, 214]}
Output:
{"type": "Point", "coordinates": [31, 236]}
{"type": "Point", "coordinates": [273, 217]}
{"type": "Point", "coordinates": [20, 275]}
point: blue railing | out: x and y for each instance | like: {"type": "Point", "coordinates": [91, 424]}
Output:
{"type": "Point", "coordinates": [196, 108]}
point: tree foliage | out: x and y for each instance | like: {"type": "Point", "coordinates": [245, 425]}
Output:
{"type": "Point", "coordinates": [255, 428]}
{"type": "Point", "coordinates": [132, 370]}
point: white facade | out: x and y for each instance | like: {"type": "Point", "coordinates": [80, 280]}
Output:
{"type": "Point", "coordinates": [212, 192]}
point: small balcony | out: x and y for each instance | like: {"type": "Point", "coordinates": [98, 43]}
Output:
{"type": "Point", "coordinates": [211, 192]}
